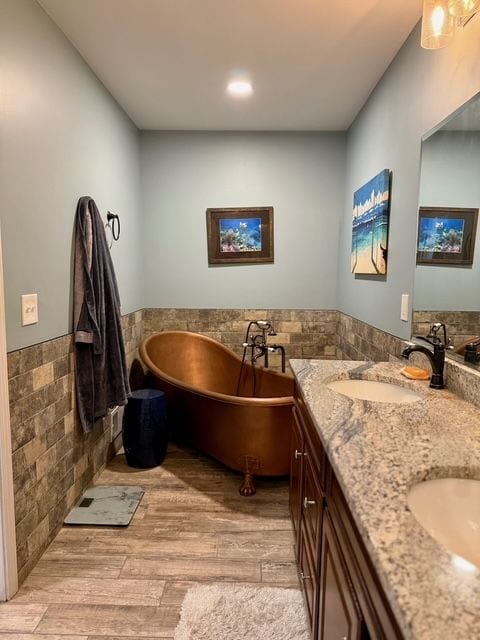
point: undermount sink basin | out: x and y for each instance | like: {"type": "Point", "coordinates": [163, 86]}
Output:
{"type": "Point", "coordinates": [449, 510]}
{"type": "Point", "coordinates": [374, 391]}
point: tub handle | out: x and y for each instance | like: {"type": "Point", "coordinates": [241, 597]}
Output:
{"type": "Point", "coordinates": [307, 502]}
{"type": "Point", "coordinates": [304, 577]}
{"type": "Point", "coordinates": [298, 454]}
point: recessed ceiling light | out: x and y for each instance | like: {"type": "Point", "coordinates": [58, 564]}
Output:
{"type": "Point", "coordinates": [240, 88]}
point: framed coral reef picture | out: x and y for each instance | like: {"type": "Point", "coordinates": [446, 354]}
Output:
{"type": "Point", "coordinates": [446, 235]}
{"type": "Point", "coordinates": [371, 212]}
{"type": "Point", "coordinates": [240, 235]}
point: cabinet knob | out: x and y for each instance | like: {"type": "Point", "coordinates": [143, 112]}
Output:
{"type": "Point", "coordinates": [298, 454]}
{"type": "Point", "coordinates": [307, 502]}
{"type": "Point", "coordinates": [304, 577]}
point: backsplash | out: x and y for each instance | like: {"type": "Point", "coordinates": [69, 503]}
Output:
{"type": "Point", "coordinates": [53, 460]}
{"type": "Point", "coordinates": [357, 340]}
{"type": "Point", "coordinates": [304, 333]}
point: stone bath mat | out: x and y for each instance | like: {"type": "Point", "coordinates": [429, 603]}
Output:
{"type": "Point", "coordinates": [112, 506]}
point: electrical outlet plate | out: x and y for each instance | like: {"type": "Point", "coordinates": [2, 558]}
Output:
{"type": "Point", "coordinates": [29, 309]}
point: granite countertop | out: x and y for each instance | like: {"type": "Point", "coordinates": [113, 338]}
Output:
{"type": "Point", "coordinates": [378, 451]}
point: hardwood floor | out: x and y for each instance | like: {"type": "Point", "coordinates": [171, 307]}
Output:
{"type": "Point", "coordinates": [192, 526]}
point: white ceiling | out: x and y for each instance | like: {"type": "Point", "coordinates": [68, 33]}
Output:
{"type": "Point", "coordinates": [313, 63]}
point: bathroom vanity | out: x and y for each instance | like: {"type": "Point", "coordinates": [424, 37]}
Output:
{"type": "Point", "coordinates": [368, 569]}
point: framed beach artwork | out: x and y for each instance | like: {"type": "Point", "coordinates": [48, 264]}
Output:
{"type": "Point", "coordinates": [446, 235]}
{"type": "Point", "coordinates": [240, 235]}
{"type": "Point", "coordinates": [371, 212]}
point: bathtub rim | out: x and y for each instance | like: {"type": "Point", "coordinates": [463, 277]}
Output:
{"type": "Point", "coordinates": [221, 397]}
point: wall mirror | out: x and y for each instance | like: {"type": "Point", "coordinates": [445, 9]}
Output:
{"type": "Point", "coordinates": [447, 273]}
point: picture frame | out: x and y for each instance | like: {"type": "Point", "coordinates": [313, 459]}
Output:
{"type": "Point", "coordinates": [446, 236]}
{"type": "Point", "coordinates": [370, 225]}
{"type": "Point", "coordinates": [240, 235]}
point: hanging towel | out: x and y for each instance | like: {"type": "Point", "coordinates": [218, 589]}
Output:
{"type": "Point", "coordinates": [101, 376]}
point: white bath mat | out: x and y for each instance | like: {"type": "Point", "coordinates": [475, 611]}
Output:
{"type": "Point", "coordinates": [227, 612]}
{"type": "Point", "coordinates": [106, 505]}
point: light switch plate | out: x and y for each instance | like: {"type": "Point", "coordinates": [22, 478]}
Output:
{"type": "Point", "coordinates": [29, 309]}
{"type": "Point", "coordinates": [404, 307]}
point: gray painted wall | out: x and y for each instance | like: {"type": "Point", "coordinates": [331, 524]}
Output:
{"type": "Point", "coordinates": [419, 90]}
{"type": "Point", "coordinates": [450, 177]}
{"type": "Point", "coordinates": [300, 175]}
{"type": "Point", "coordinates": [62, 136]}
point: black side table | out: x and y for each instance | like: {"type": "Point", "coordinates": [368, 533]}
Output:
{"type": "Point", "coordinates": [144, 429]}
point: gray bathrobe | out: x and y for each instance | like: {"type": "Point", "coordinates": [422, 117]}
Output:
{"type": "Point", "coordinates": [101, 374]}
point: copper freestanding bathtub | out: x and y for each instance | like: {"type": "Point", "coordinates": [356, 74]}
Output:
{"type": "Point", "coordinates": [215, 410]}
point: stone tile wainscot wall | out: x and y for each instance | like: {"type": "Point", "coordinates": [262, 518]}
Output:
{"type": "Point", "coordinates": [461, 325]}
{"type": "Point", "coordinates": [304, 333]}
{"type": "Point", "coordinates": [53, 460]}
{"type": "Point", "coordinates": [357, 340]}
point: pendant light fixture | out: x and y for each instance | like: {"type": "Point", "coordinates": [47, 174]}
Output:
{"type": "Point", "coordinates": [438, 24]}
{"type": "Point", "coordinates": [463, 8]}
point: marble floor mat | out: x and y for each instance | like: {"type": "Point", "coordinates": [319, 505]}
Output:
{"type": "Point", "coordinates": [107, 505]}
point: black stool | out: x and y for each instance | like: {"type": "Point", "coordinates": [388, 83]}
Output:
{"type": "Point", "coordinates": [145, 435]}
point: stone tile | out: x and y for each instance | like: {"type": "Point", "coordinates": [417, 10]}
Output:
{"type": "Point", "coordinates": [20, 386]}
{"type": "Point", "coordinates": [56, 432]}
{"type": "Point", "coordinates": [30, 358]}
{"type": "Point", "coordinates": [27, 455]}
{"type": "Point", "coordinates": [22, 433]}
{"type": "Point", "coordinates": [61, 367]}
{"type": "Point", "coordinates": [45, 462]}
{"type": "Point", "coordinates": [37, 539]}
{"type": "Point", "coordinates": [42, 376]}
{"type": "Point", "coordinates": [32, 404]}
{"type": "Point", "coordinates": [13, 363]}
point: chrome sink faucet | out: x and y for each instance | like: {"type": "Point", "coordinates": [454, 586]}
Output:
{"type": "Point", "coordinates": [436, 354]}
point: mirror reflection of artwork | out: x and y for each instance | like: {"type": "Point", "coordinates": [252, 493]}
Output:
{"type": "Point", "coordinates": [446, 235]}
{"type": "Point", "coordinates": [371, 210]}
{"type": "Point", "coordinates": [240, 234]}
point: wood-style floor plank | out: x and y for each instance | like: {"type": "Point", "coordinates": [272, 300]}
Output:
{"type": "Point", "coordinates": [110, 620]}
{"type": "Point", "coordinates": [255, 545]}
{"type": "Point", "coordinates": [40, 636]}
{"type": "Point", "coordinates": [186, 569]}
{"type": "Point", "coordinates": [84, 565]}
{"type": "Point", "coordinates": [20, 618]}
{"type": "Point", "coordinates": [54, 590]}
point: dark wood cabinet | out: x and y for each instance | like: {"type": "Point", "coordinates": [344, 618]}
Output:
{"type": "Point", "coordinates": [343, 595]}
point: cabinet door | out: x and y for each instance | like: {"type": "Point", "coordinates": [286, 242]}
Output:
{"type": "Point", "coordinates": [339, 615]}
{"type": "Point", "coordinates": [296, 474]}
